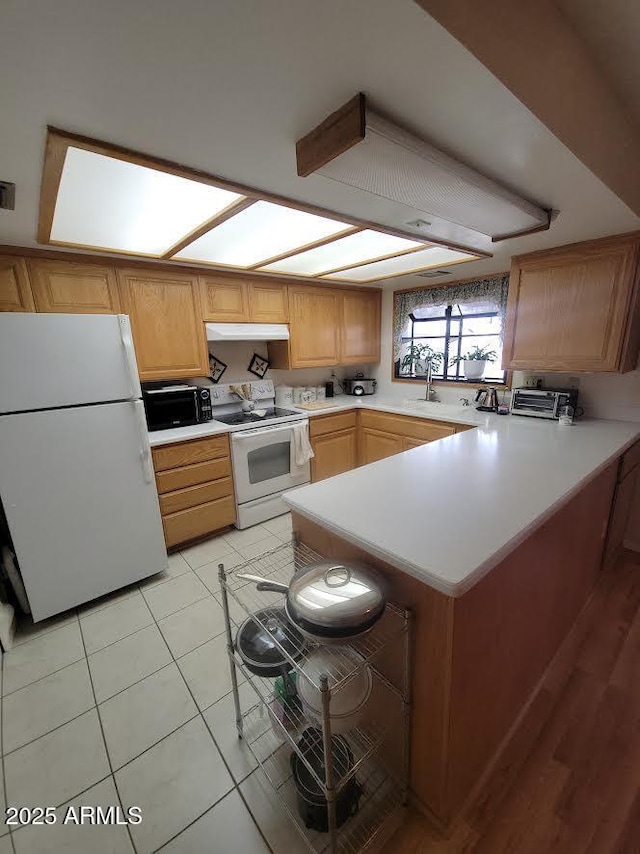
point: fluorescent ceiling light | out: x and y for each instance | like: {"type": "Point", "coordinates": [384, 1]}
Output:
{"type": "Point", "coordinates": [359, 147]}
{"type": "Point", "coordinates": [435, 256]}
{"type": "Point", "coordinates": [108, 203]}
{"type": "Point", "coordinates": [258, 233]}
{"type": "Point", "coordinates": [367, 245]}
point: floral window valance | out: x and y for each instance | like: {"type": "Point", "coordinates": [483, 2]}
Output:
{"type": "Point", "coordinates": [491, 291]}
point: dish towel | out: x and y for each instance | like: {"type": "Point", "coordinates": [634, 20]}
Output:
{"type": "Point", "coordinates": [301, 450]}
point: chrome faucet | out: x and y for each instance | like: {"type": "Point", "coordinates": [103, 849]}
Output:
{"type": "Point", "coordinates": [430, 393]}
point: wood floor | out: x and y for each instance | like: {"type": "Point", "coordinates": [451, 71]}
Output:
{"type": "Point", "coordinates": [578, 791]}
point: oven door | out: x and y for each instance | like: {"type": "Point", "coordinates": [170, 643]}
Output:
{"type": "Point", "coordinates": [166, 408]}
{"type": "Point", "coordinates": [262, 463]}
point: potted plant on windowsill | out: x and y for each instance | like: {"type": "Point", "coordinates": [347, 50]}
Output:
{"type": "Point", "coordinates": [417, 354]}
{"type": "Point", "coordinates": [475, 361]}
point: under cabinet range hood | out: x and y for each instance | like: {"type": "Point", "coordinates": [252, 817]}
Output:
{"type": "Point", "coordinates": [247, 332]}
{"type": "Point", "coordinates": [359, 147]}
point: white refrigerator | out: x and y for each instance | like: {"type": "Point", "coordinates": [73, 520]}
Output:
{"type": "Point", "coordinates": [76, 476]}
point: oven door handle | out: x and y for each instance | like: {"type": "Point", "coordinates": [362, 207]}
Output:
{"type": "Point", "coordinates": [257, 431]}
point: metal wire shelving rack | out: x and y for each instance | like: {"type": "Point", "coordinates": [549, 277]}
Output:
{"type": "Point", "coordinates": [271, 730]}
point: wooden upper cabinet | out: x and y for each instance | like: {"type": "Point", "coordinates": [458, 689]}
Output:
{"type": "Point", "coordinates": [224, 300]}
{"type": "Point", "coordinates": [70, 288]}
{"type": "Point", "coordinates": [227, 300]}
{"type": "Point", "coordinates": [360, 327]}
{"type": "Point", "coordinates": [575, 308]}
{"type": "Point", "coordinates": [15, 291]}
{"type": "Point", "coordinates": [314, 318]}
{"type": "Point", "coordinates": [268, 303]}
{"type": "Point", "coordinates": [166, 322]}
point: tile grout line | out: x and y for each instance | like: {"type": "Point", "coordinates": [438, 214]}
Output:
{"type": "Point", "coordinates": [104, 740]}
{"type": "Point", "coordinates": [4, 777]}
{"type": "Point", "coordinates": [236, 786]}
{"type": "Point", "coordinates": [174, 660]}
{"type": "Point", "coordinates": [184, 607]}
{"type": "Point", "coordinates": [88, 610]}
{"type": "Point", "coordinates": [40, 678]}
{"type": "Point", "coordinates": [43, 633]}
{"type": "Point", "coordinates": [108, 699]}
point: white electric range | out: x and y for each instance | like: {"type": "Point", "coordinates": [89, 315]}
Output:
{"type": "Point", "coordinates": [262, 453]}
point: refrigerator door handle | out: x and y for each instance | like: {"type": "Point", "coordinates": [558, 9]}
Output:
{"type": "Point", "coordinates": [145, 447]}
{"type": "Point", "coordinates": [129, 354]}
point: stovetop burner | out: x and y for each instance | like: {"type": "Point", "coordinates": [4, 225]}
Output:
{"type": "Point", "coordinates": [250, 418]}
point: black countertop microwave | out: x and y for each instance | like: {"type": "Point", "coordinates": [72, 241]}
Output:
{"type": "Point", "coordinates": [168, 406]}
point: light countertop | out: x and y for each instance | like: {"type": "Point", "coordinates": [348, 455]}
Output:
{"type": "Point", "coordinates": [438, 411]}
{"type": "Point", "coordinates": [449, 511]}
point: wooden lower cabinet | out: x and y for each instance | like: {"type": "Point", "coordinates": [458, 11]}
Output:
{"type": "Point", "coordinates": [186, 525]}
{"type": "Point", "coordinates": [195, 488]}
{"type": "Point", "coordinates": [334, 442]}
{"type": "Point", "coordinates": [628, 473]}
{"type": "Point", "coordinates": [183, 476]}
{"type": "Point", "coordinates": [408, 444]}
{"type": "Point", "coordinates": [375, 445]}
{"type": "Point", "coordinates": [384, 434]}
{"type": "Point", "coordinates": [408, 426]}
{"type": "Point", "coordinates": [334, 453]}
{"type": "Point", "coordinates": [481, 658]}
{"type": "Point", "coordinates": [191, 496]}
{"type": "Point", "coordinates": [343, 440]}
{"type": "Point", "coordinates": [188, 453]}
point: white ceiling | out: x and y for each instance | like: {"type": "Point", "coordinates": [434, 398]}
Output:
{"type": "Point", "coordinates": [611, 30]}
{"type": "Point", "coordinates": [228, 86]}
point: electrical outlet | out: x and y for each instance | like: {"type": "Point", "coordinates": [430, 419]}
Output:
{"type": "Point", "coordinates": [533, 381]}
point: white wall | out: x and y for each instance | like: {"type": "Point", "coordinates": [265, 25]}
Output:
{"type": "Point", "coordinates": [237, 356]}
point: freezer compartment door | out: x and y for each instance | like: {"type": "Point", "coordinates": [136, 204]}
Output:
{"type": "Point", "coordinates": [54, 360]}
{"type": "Point", "coordinates": [80, 499]}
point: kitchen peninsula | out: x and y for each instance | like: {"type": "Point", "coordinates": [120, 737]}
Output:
{"type": "Point", "coordinates": [496, 565]}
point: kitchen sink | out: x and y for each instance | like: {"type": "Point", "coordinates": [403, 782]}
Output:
{"type": "Point", "coordinates": [439, 410]}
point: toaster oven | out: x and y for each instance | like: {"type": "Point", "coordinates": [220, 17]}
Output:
{"type": "Point", "coordinates": [542, 402]}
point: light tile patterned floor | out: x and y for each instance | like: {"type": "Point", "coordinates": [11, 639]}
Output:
{"type": "Point", "coordinates": [126, 702]}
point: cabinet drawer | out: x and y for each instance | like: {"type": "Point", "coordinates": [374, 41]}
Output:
{"type": "Point", "coordinates": [415, 428]}
{"type": "Point", "coordinates": [332, 423]}
{"type": "Point", "coordinates": [629, 461]}
{"type": "Point", "coordinates": [185, 453]}
{"type": "Point", "coordinates": [179, 478]}
{"type": "Point", "coordinates": [197, 521]}
{"type": "Point", "coordinates": [191, 496]}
